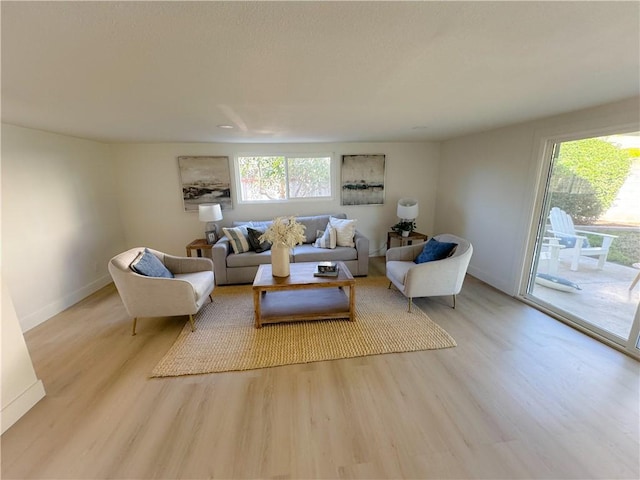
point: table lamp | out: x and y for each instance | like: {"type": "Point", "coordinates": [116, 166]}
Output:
{"type": "Point", "coordinates": [407, 209]}
{"type": "Point", "coordinates": [210, 213]}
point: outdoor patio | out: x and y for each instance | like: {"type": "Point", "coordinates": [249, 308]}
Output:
{"type": "Point", "coordinates": [604, 299]}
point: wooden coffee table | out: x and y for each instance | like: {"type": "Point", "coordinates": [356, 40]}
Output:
{"type": "Point", "coordinates": [302, 296]}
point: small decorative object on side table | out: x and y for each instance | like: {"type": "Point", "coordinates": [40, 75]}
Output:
{"type": "Point", "coordinates": [408, 240]}
{"type": "Point", "coordinates": [198, 245]}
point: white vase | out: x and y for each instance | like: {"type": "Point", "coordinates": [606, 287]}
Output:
{"type": "Point", "coordinates": [405, 233]}
{"type": "Point", "coordinates": [280, 261]}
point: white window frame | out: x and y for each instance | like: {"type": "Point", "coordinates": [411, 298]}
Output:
{"type": "Point", "coordinates": [332, 175]}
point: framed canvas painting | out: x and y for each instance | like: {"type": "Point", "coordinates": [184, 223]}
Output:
{"type": "Point", "coordinates": [205, 180]}
{"type": "Point", "coordinates": [362, 180]}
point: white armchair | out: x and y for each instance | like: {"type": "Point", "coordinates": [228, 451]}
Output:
{"type": "Point", "coordinates": [144, 296]}
{"type": "Point", "coordinates": [430, 279]}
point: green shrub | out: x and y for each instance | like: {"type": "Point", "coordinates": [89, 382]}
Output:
{"type": "Point", "coordinates": [584, 208]}
{"type": "Point", "coordinates": [587, 177]}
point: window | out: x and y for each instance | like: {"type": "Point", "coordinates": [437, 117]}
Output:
{"type": "Point", "coordinates": [284, 177]}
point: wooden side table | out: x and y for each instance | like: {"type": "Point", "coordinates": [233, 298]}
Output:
{"type": "Point", "coordinates": [408, 240]}
{"type": "Point", "coordinates": [199, 245]}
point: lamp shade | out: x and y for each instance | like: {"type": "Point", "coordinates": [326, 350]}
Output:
{"type": "Point", "coordinates": [209, 212]}
{"type": "Point", "coordinates": [408, 208]}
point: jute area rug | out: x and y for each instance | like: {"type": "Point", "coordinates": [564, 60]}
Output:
{"type": "Point", "coordinates": [226, 339]}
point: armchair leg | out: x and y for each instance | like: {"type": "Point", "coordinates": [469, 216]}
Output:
{"type": "Point", "coordinates": [454, 301]}
{"type": "Point", "coordinates": [410, 303]}
{"type": "Point", "coordinates": [210, 298]}
{"type": "Point", "coordinates": [389, 287]}
{"type": "Point", "coordinates": [193, 325]}
{"type": "Point", "coordinates": [135, 320]}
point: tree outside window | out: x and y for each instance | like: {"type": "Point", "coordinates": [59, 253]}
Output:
{"type": "Point", "coordinates": [277, 178]}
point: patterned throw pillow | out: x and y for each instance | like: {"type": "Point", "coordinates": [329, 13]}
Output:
{"type": "Point", "coordinates": [254, 240]}
{"type": "Point", "coordinates": [345, 230]}
{"type": "Point", "coordinates": [238, 238]}
{"type": "Point", "coordinates": [326, 239]}
{"type": "Point", "coordinates": [147, 264]}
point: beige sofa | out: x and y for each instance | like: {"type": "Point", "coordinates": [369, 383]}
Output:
{"type": "Point", "coordinates": [232, 268]}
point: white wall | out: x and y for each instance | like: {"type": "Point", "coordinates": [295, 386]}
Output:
{"type": "Point", "coordinates": [60, 220]}
{"type": "Point", "coordinates": [488, 185]}
{"type": "Point", "coordinates": [21, 389]}
{"type": "Point", "coordinates": [69, 205]}
{"type": "Point", "coordinates": [153, 215]}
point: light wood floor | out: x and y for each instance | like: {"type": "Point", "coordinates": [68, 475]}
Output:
{"type": "Point", "coordinates": [521, 396]}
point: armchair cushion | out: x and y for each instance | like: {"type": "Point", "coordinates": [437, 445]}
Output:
{"type": "Point", "coordinates": [435, 250]}
{"type": "Point", "coordinates": [147, 264]}
{"type": "Point", "coordinates": [201, 282]}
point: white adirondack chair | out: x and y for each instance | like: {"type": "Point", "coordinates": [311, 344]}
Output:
{"type": "Point", "coordinates": [563, 229]}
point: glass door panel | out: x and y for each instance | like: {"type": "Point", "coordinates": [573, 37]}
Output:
{"type": "Point", "coordinates": [587, 252]}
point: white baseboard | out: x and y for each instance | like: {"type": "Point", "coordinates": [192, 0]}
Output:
{"type": "Point", "coordinates": [45, 313]}
{"type": "Point", "coordinates": [21, 405]}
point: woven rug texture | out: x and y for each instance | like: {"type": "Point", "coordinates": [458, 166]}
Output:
{"type": "Point", "coordinates": [226, 339]}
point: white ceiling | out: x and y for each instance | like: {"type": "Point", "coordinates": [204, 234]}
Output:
{"type": "Point", "coordinates": [309, 71]}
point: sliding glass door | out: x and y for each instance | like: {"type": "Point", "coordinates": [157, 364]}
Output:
{"type": "Point", "coordinates": [585, 266]}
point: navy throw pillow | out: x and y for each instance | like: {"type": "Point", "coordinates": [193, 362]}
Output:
{"type": "Point", "coordinates": [147, 264]}
{"type": "Point", "coordinates": [569, 241]}
{"type": "Point", "coordinates": [254, 240]}
{"type": "Point", "coordinates": [435, 250]}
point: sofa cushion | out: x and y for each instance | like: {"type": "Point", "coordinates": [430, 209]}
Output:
{"type": "Point", "coordinates": [253, 235]}
{"type": "Point", "coordinates": [345, 230]}
{"type": "Point", "coordinates": [248, 259]}
{"type": "Point", "coordinates": [435, 250]}
{"type": "Point", "coordinates": [238, 238]}
{"type": "Point", "coordinates": [326, 239]}
{"type": "Point", "coordinates": [147, 264]}
{"type": "Point", "coordinates": [308, 253]}
{"type": "Point", "coordinates": [312, 224]}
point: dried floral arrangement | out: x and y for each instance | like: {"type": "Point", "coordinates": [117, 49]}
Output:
{"type": "Point", "coordinates": [284, 231]}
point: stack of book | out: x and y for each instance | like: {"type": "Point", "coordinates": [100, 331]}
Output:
{"type": "Point", "coordinates": [326, 269]}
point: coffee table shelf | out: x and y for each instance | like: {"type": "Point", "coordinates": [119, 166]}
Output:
{"type": "Point", "coordinates": [301, 296]}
